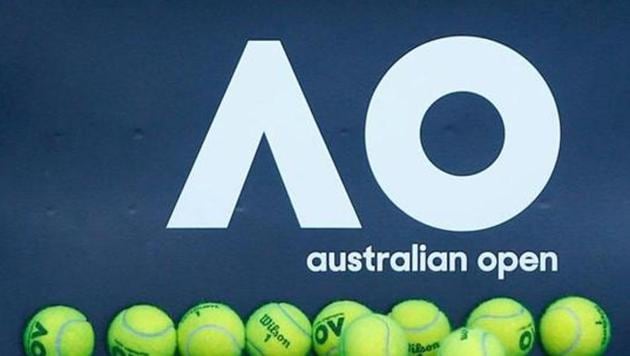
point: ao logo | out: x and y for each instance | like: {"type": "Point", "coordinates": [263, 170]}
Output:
{"type": "Point", "coordinates": [264, 99]}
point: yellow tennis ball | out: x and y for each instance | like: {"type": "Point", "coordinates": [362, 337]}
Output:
{"type": "Point", "coordinates": [575, 326]}
{"type": "Point", "coordinates": [59, 330]}
{"type": "Point", "coordinates": [424, 324]}
{"type": "Point", "coordinates": [278, 329]}
{"type": "Point", "coordinates": [142, 330]}
{"type": "Point", "coordinates": [508, 320]}
{"type": "Point", "coordinates": [471, 342]}
{"type": "Point", "coordinates": [374, 335]}
{"type": "Point", "coordinates": [331, 321]}
{"type": "Point", "coordinates": [211, 329]}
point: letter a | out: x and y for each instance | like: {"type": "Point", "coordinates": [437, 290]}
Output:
{"type": "Point", "coordinates": [263, 99]}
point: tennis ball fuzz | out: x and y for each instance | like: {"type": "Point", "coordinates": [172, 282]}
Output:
{"type": "Point", "coordinates": [471, 342]}
{"type": "Point", "coordinates": [278, 329]}
{"type": "Point", "coordinates": [331, 321]}
{"type": "Point", "coordinates": [508, 320]}
{"type": "Point", "coordinates": [142, 330]}
{"type": "Point", "coordinates": [59, 330]}
{"type": "Point", "coordinates": [211, 329]}
{"type": "Point", "coordinates": [374, 335]}
{"type": "Point", "coordinates": [575, 326]}
{"type": "Point", "coordinates": [424, 324]}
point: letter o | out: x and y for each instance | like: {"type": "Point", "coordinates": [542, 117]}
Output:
{"type": "Point", "coordinates": [321, 334]}
{"type": "Point", "coordinates": [462, 64]}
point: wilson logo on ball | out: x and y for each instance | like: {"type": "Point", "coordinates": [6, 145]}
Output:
{"type": "Point", "coordinates": [274, 331]}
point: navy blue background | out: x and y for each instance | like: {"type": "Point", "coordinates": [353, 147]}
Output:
{"type": "Point", "coordinates": [104, 105]}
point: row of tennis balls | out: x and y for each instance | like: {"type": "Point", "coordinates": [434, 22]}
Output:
{"type": "Point", "coordinates": [571, 326]}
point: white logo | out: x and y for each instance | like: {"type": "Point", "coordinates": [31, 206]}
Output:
{"type": "Point", "coordinates": [264, 99]}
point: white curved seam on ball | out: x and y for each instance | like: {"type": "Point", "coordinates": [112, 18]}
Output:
{"type": "Point", "coordinates": [426, 326]}
{"type": "Point", "coordinates": [126, 325]}
{"type": "Point", "coordinates": [216, 327]}
{"type": "Point", "coordinates": [386, 337]}
{"type": "Point", "coordinates": [578, 329]}
{"type": "Point", "coordinates": [255, 347]}
{"type": "Point", "coordinates": [62, 329]}
{"type": "Point", "coordinates": [484, 349]}
{"type": "Point", "coordinates": [286, 313]}
{"type": "Point", "coordinates": [342, 346]}
{"type": "Point", "coordinates": [491, 316]}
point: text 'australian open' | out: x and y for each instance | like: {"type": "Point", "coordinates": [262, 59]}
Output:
{"type": "Point", "coordinates": [419, 259]}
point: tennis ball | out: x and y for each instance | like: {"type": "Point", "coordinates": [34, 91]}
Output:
{"type": "Point", "coordinates": [330, 322]}
{"type": "Point", "coordinates": [59, 330]}
{"type": "Point", "coordinates": [575, 326]}
{"type": "Point", "coordinates": [374, 335]}
{"type": "Point", "coordinates": [508, 320]}
{"type": "Point", "coordinates": [471, 342]}
{"type": "Point", "coordinates": [424, 324]}
{"type": "Point", "coordinates": [211, 329]}
{"type": "Point", "coordinates": [278, 329]}
{"type": "Point", "coordinates": [142, 330]}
